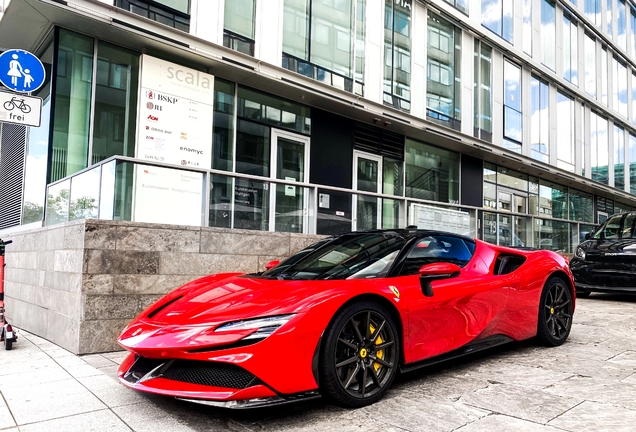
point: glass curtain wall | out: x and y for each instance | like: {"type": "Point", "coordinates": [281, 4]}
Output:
{"type": "Point", "coordinates": [238, 23]}
{"type": "Point", "coordinates": [604, 82]}
{"type": "Point", "coordinates": [539, 120]}
{"type": "Point", "coordinates": [462, 5]}
{"type": "Point", "coordinates": [619, 158]}
{"type": "Point", "coordinates": [72, 104]}
{"type": "Point", "coordinates": [548, 33]}
{"type": "Point", "coordinates": [173, 13]}
{"type": "Point", "coordinates": [443, 86]}
{"type": "Point", "coordinates": [592, 11]}
{"type": "Point", "coordinates": [599, 148]}
{"type": "Point", "coordinates": [619, 87]}
{"type": "Point", "coordinates": [324, 40]}
{"type": "Point", "coordinates": [397, 54]}
{"type": "Point", "coordinates": [565, 132]}
{"type": "Point", "coordinates": [632, 35]}
{"type": "Point", "coordinates": [223, 128]}
{"type": "Point", "coordinates": [431, 173]}
{"type": "Point", "coordinates": [634, 98]}
{"type": "Point", "coordinates": [483, 91]}
{"type": "Point", "coordinates": [609, 15]}
{"type": "Point", "coordinates": [590, 65]}
{"type": "Point", "coordinates": [513, 120]}
{"type": "Point", "coordinates": [114, 119]}
{"type": "Point", "coordinates": [570, 49]}
{"type": "Point", "coordinates": [527, 26]}
{"type": "Point", "coordinates": [37, 148]}
{"type": "Point", "coordinates": [632, 164]}
{"type": "Point", "coordinates": [497, 16]}
{"type": "Point", "coordinates": [621, 24]}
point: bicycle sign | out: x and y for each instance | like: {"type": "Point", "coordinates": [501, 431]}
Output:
{"type": "Point", "coordinates": [20, 109]}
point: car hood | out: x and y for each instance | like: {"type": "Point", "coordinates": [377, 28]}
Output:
{"type": "Point", "coordinates": [603, 248]}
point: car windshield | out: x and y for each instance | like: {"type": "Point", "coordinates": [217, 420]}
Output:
{"type": "Point", "coordinates": [351, 256]}
{"type": "Point", "coordinates": [611, 229]}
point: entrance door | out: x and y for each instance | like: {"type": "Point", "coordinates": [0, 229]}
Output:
{"type": "Point", "coordinates": [290, 161]}
{"type": "Point", "coordinates": [367, 169]}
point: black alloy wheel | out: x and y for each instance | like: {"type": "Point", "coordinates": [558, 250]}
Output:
{"type": "Point", "coordinates": [360, 355]}
{"type": "Point", "coordinates": [555, 312]}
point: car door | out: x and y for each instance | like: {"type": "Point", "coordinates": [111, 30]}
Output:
{"type": "Point", "coordinates": [461, 309]}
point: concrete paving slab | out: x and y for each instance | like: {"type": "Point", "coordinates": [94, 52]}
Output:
{"type": "Point", "coordinates": [497, 422]}
{"type": "Point", "coordinates": [97, 360]}
{"type": "Point", "coordinates": [622, 395]}
{"type": "Point", "coordinates": [96, 421]}
{"type": "Point", "coordinates": [593, 416]}
{"type": "Point", "coordinates": [110, 392]}
{"type": "Point", "coordinates": [6, 419]}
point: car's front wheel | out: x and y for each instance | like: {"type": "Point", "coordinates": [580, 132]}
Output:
{"type": "Point", "coordinates": [360, 355]}
{"type": "Point", "coordinates": [555, 312]}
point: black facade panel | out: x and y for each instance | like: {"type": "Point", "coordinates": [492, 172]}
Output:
{"type": "Point", "coordinates": [472, 181]}
{"type": "Point", "coordinates": [12, 147]}
{"type": "Point", "coordinates": [331, 156]}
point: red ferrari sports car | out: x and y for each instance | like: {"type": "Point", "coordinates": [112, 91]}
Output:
{"type": "Point", "coordinates": [343, 316]}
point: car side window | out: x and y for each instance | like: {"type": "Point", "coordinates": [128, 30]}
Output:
{"type": "Point", "coordinates": [628, 226]}
{"type": "Point", "coordinates": [611, 230]}
{"type": "Point", "coordinates": [436, 248]}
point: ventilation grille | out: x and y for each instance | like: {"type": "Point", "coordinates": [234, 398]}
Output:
{"type": "Point", "coordinates": [12, 145]}
{"type": "Point", "coordinates": [210, 374]}
{"type": "Point", "coordinates": [378, 141]}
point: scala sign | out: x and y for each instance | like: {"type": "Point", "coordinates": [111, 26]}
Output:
{"type": "Point", "coordinates": [21, 71]}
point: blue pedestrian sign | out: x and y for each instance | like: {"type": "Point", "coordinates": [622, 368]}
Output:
{"type": "Point", "coordinates": [21, 71]}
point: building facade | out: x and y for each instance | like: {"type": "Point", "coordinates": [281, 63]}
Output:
{"type": "Point", "coordinates": [509, 120]}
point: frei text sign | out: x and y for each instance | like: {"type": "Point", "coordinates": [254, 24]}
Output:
{"type": "Point", "coordinates": [175, 114]}
{"type": "Point", "coordinates": [20, 109]}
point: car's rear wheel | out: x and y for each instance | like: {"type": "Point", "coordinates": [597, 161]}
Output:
{"type": "Point", "coordinates": [360, 355]}
{"type": "Point", "coordinates": [555, 312]}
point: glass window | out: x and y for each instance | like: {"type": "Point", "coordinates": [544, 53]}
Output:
{"type": "Point", "coordinates": [610, 17]}
{"type": "Point", "coordinates": [539, 120]}
{"type": "Point", "coordinates": [619, 78]}
{"type": "Point", "coordinates": [72, 104]}
{"type": "Point", "coordinates": [239, 25]}
{"type": "Point", "coordinates": [174, 13]}
{"type": "Point", "coordinates": [483, 91]}
{"type": "Point", "coordinates": [619, 158]}
{"type": "Point", "coordinates": [443, 72]}
{"type": "Point", "coordinates": [570, 49]}
{"type": "Point", "coordinates": [632, 164]}
{"type": "Point", "coordinates": [632, 36]}
{"type": "Point", "coordinates": [325, 41]}
{"type": "Point", "coordinates": [593, 11]}
{"type": "Point", "coordinates": [274, 111]}
{"type": "Point", "coordinates": [114, 120]}
{"type": "Point", "coordinates": [513, 120]}
{"type": "Point", "coordinates": [397, 54]}
{"type": "Point", "coordinates": [604, 82]}
{"type": "Point", "coordinates": [634, 98]}
{"type": "Point", "coordinates": [497, 16]}
{"type": "Point", "coordinates": [431, 173]}
{"type": "Point", "coordinates": [512, 179]}
{"type": "Point", "coordinates": [553, 200]}
{"type": "Point", "coordinates": [548, 33]}
{"type": "Point", "coordinates": [527, 26]}
{"type": "Point", "coordinates": [599, 148]}
{"type": "Point", "coordinates": [590, 65]}
{"type": "Point", "coordinates": [223, 125]}
{"type": "Point", "coordinates": [565, 132]}
{"type": "Point", "coordinates": [462, 5]}
{"type": "Point", "coordinates": [581, 206]}
{"type": "Point", "coordinates": [252, 148]}
{"type": "Point", "coordinates": [621, 24]}
{"type": "Point", "coordinates": [37, 149]}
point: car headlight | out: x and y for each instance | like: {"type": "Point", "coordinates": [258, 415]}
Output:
{"type": "Point", "coordinates": [264, 326]}
{"type": "Point", "coordinates": [580, 253]}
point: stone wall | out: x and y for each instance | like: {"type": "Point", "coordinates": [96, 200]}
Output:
{"type": "Point", "coordinates": [78, 284]}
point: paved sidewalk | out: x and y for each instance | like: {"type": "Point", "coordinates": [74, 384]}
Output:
{"type": "Point", "coordinates": [588, 384]}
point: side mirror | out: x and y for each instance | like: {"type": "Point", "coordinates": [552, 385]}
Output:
{"type": "Point", "coordinates": [436, 271]}
{"type": "Point", "coordinates": [270, 265]}
{"type": "Point", "coordinates": [588, 236]}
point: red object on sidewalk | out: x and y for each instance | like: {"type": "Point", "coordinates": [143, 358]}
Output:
{"type": "Point", "coordinates": [7, 334]}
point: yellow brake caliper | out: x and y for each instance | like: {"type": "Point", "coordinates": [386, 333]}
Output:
{"type": "Point", "coordinates": [380, 353]}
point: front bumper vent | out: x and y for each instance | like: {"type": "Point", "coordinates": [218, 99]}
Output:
{"type": "Point", "coordinates": [194, 372]}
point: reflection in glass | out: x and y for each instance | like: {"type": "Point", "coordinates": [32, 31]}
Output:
{"type": "Point", "coordinates": [397, 54]}
{"type": "Point", "coordinates": [221, 201]}
{"type": "Point", "coordinates": [527, 26]}
{"type": "Point", "coordinates": [539, 120]}
{"type": "Point", "coordinates": [513, 179]}
{"type": "Point", "coordinates": [252, 148]}
{"type": "Point", "coordinates": [590, 65]}
{"type": "Point", "coordinates": [390, 214]}
{"type": "Point", "coordinates": [609, 14]}
{"type": "Point", "coordinates": [431, 173]}
{"type": "Point", "coordinates": [548, 33]}
{"type": "Point", "coordinates": [570, 49]}
{"type": "Point", "coordinates": [393, 173]}
{"type": "Point", "coordinates": [107, 192]}
{"type": "Point", "coordinates": [497, 16]}
{"type": "Point", "coordinates": [619, 77]}
{"type": "Point", "coordinates": [592, 10]}
{"type": "Point", "coordinates": [553, 235]}
{"type": "Point", "coordinates": [581, 206]}
{"type": "Point", "coordinates": [490, 227]}
{"type": "Point", "coordinates": [290, 162]}
{"type": "Point", "coordinates": [251, 205]}
{"type": "Point", "coordinates": [490, 200]}
{"type": "Point", "coordinates": [599, 148]}
{"type": "Point", "coordinates": [57, 203]}
{"type": "Point", "coordinates": [483, 91]}
{"type": "Point", "coordinates": [513, 120]}
{"type": "Point", "coordinates": [85, 195]}
{"type": "Point", "coordinates": [632, 164]}
{"type": "Point", "coordinates": [366, 213]}
{"type": "Point", "coordinates": [621, 24]}
{"type": "Point", "coordinates": [619, 158]}
{"type": "Point", "coordinates": [223, 125]}
{"type": "Point", "coordinates": [604, 82]}
{"type": "Point", "coordinates": [553, 200]}
{"type": "Point", "coordinates": [275, 111]}
{"type": "Point", "coordinates": [565, 132]}
{"type": "Point", "coordinates": [334, 212]}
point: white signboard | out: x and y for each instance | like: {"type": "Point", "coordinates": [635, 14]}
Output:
{"type": "Point", "coordinates": [169, 196]}
{"type": "Point", "coordinates": [175, 114]}
{"type": "Point", "coordinates": [20, 109]}
{"type": "Point", "coordinates": [435, 218]}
